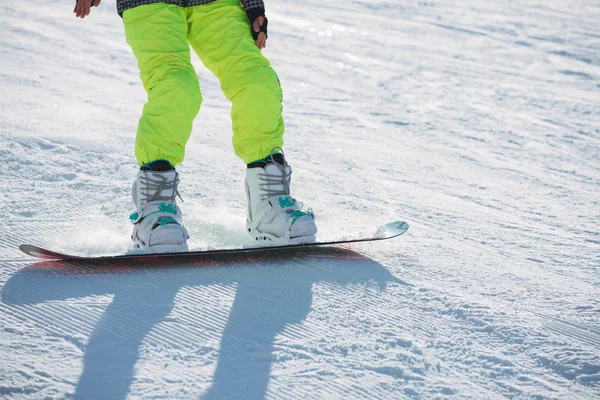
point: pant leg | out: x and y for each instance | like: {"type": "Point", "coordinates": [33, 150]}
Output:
{"type": "Point", "coordinates": [157, 34]}
{"type": "Point", "coordinates": [219, 32]}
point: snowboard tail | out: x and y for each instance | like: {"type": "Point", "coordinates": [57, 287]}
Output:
{"type": "Point", "coordinates": [387, 231]}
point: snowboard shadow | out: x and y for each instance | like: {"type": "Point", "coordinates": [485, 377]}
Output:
{"type": "Point", "coordinates": [272, 292]}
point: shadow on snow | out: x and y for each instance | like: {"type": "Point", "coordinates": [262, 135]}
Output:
{"type": "Point", "coordinates": [272, 291]}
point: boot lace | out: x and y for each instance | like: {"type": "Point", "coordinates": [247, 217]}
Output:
{"type": "Point", "coordinates": [271, 181]}
{"type": "Point", "coordinates": [155, 185]}
{"type": "Point", "coordinates": [284, 180]}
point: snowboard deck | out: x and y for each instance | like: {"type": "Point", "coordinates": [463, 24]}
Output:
{"type": "Point", "coordinates": [387, 231]}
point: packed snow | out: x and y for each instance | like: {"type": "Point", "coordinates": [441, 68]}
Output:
{"type": "Point", "coordinates": [477, 122]}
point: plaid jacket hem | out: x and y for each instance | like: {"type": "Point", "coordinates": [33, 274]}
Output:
{"type": "Point", "coordinates": [123, 5]}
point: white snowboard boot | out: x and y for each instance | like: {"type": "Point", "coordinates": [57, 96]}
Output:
{"type": "Point", "coordinates": [274, 217]}
{"type": "Point", "coordinates": [157, 223]}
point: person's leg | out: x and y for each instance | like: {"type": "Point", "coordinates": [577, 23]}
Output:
{"type": "Point", "coordinates": [219, 32]}
{"type": "Point", "coordinates": [157, 34]}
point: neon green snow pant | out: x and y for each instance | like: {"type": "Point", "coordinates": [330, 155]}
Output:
{"type": "Point", "coordinates": [219, 32]}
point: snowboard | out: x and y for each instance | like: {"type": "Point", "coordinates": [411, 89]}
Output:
{"type": "Point", "coordinates": [387, 231]}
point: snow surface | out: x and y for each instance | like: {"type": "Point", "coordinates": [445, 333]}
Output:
{"type": "Point", "coordinates": [477, 122]}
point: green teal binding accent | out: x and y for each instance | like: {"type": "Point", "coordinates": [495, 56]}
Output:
{"type": "Point", "coordinates": [297, 214]}
{"type": "Point", "coordinates": [168, 208]}
{"type": "Point", "coordinates": [286, 202]}
{"type": "Point", "coordinates": [167, 220]}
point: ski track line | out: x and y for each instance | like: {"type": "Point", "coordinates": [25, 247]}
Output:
{"type": "Point", "coordinates": [194, 329]}
{"type": "Point", "coordinates": [590, 329]}
{"type": "Point", "coordinates": [76, 329]}
{"type": "Point", "coordinates": [158, 340]}
{"type": "Point", "coordinates": [588, 335]}
{"type": "Point", "coordinates": [166, 332]}
{"type": "Point", "coordinates": [558, 239]}
{"type": "Point", "coordinates": [278, 391]}
{"type": "Point", "coordinates": [329, 386]}
{"type": "Point", "coordinates": [566, 328]}
{"type": "Point", "coordinates": [304, 330]}
{"type": "Point", "coordinates": [342, 386]}
{"type": "Point", "coordinates": [191, 296]}
{"type": "Point", "coordinates": [89, 316]}
{"type": "Point", "coordinates": [213, 323]}
{"type": "Point", "coordinates": [175, 338]}
{"type": "Point", "coordinates": [564, 381]}
{"type": "Point", "coordinates": [414, 316]}
{"type": "Point", "coordinates": [64, 231]}
{"type": "Point", "coordinates": [497, 388]}
{"type": "Point", "coordinates": [45, 323]}
{"type": "Point", "coordinates": [221, 291]}
{"type": "Point", "coordinates": [474, 326]}
{"type": "Point", "coordinates": [40, 315]}
{"type": "Point", "coordinates": [572, 330]}
{"type": "Point", "coordinates": [397, 321]}
{"type": "Point", "coordinates": [82, 324]}
{"type": "Point", "coordinates": [361, 392]}
{"type": "Point", "coordinates": [178, 337]}
{"type": "Point", "coordinates": [11, 244]}
{"type": "Point", "coordinates": [376, 307]}
{"type": "Point", "coordinates": [507, 210]}
{"type": "Point", "coordinates": [248, 320]}
{"type": "Point", "coordinates": [477, 351]}
{"type": "Point", "coordinates": [297, 352]}
{"type": "Point", "coordinates": [206, 322]}
{"type": "Point", "coordinates": [484, 350]}
{"type": "Point", "coordinates": [499, 252]}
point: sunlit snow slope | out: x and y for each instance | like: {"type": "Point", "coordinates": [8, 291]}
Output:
{"type": "Point", "coordinates": [477, 122]}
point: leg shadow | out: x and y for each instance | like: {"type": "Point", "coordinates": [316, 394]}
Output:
{"type": "Point", "coordinates": [142, 299]}
{"type": "Point", "coordinates": [267, 302]}
{"type": "Point", "coordinates": [113, 349]}
{"type": "Point", "coordinates": [260, 311]}
{"type": "Point", "coordinates": [273, 291]}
